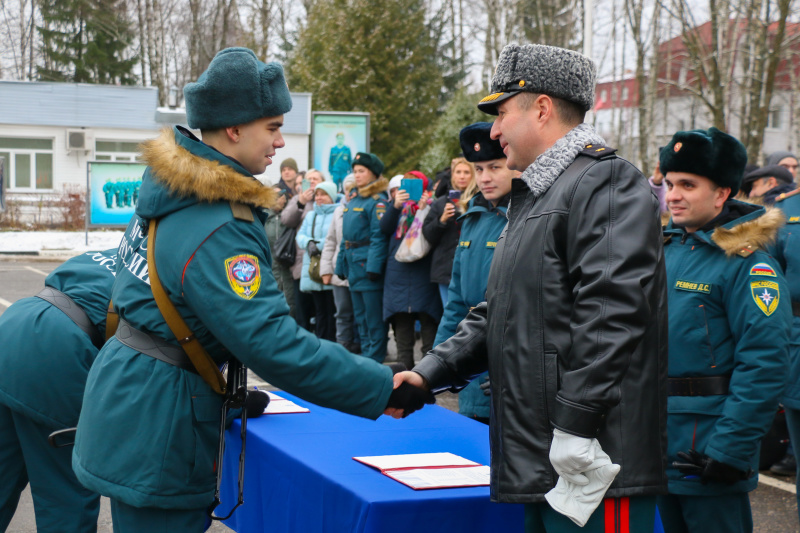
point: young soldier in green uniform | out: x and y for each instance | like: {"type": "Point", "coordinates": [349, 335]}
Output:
{"type": "Point", "coordinates": [786, 251]}
{"type": "Point", "coordinates": [729, 321]}
{"type": "Point", "coordinates": [481, 226]}
{"type": "Point", "coordinates": [148, 432]}
{"type": "Point", "coordinates": [48, 344]}
{"type": "Point", "coordinates": [362, 255]}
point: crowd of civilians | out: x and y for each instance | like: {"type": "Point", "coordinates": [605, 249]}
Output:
{"type": "Point", "coordinates": [311, 206]}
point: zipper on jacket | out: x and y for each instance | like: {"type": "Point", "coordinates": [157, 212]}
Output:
{"type": "Point", "coordinates": [708, 336]}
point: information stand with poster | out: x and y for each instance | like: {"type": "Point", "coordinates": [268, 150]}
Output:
{"type": "Point", "coordinates": [2, 184]}
{"type": "Point", "coordinates": [336, 138]}
{"type": "Point", "coordinates": [112, 190]}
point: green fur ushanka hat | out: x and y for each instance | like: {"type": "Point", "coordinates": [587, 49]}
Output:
{"type": "Point", "coordinates": [370, 161]}
{"type": "Point", "coordinates": [712, 154]}
{"type": "Point", "coordinates": [236, 88]}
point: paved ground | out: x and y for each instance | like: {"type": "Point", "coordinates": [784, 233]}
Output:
{"type": "Point", "coordinates": [774, 505]}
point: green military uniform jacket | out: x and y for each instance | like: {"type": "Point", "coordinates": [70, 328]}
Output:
{"type": "Point", "coordinates": [148, 431]}
{"type": "Point", "coordinates": [729, 315]}
{"type": "Point", "coordinates": [364, 247]}
{"type": "Point", "coordinates": [787, 251]}
{"type": "Point", "coordinates": [481, 226]}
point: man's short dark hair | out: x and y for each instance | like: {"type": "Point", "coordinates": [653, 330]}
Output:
{"type": "Point", "coordinates": [569, 113]}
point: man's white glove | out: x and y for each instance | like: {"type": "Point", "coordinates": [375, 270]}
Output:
{"type": "Point", "coordinates": [578, 502]}
{"type": "Point", "coordinates": [571, 455]}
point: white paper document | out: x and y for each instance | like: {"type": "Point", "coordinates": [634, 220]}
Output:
{"type": "Point", "coordinates": [279, 406]}
{"type": "Point", "coordinates": [430, 470]}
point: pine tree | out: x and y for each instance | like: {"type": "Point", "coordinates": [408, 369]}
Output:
{"type": "Point", "coordinates": [377, 56]}
{"type": "Point", "coordinates": [86, 41]}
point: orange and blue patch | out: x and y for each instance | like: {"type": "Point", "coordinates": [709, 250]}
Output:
{"type": "Point", "coordinates": [762, 269]}
{"type": "Point", "coordinates": [244, 275]}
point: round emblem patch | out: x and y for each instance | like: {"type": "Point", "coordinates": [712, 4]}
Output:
{"type": "Point", "coordinates": [477, 147]}
{"type": "Point", "coordinates": [677, 147]}
{"type": "Point", "coordinates": [522, 83]}
{"type": "Point", "coordinates": [244, 275]}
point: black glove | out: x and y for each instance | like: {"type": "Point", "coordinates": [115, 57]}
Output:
{"type": "Point", "coordinates": [708, 469]}
{"type": "Point", "coordinates": [373, 276]}
{"type": "Point", "coordinates": [486, 387]}
{"type": "Point", "coordinates": [410, 398]}
{"type": "Point", "coordinates": [313, 249]}
{"type": "Point", "coordinates": [255, 403]}
{"type": "Point", "coordinates": [397, 368]}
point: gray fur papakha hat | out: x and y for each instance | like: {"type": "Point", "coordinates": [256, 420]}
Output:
{"type": "Point", "coordinates": [236, 88]}
{"type": "Point", "coordinates": [542, 69]}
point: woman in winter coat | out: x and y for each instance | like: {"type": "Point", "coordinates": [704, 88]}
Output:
{"type": "Point", "coordinates": [310, 238]}
{"type": "Point", "coordinates": [362, 254]}
{"type": "Point", "coordinates": [442, 225]}
{"type": "Point", "coordinates": [346, 330]}
{"type": "Point", "coordinates": [292, 217]}
{"type": "Point", "coordinates": [408, 294]}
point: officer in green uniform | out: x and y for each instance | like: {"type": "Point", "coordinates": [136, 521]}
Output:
{"type": "Point", "coordinates": [49, 342]}
{"type": "Point", "coordinates": [786, 251]}
{"type": "Point", "coordinates": [148, 432]}
{"type": "Point", "coordinates": [362, 256]}
{"type": "Point", "coordinates": [108, 192]}
{"type": "Point", "coordinates": [481, 226]}
{"type": "Point", "coordinates": [729, 322]}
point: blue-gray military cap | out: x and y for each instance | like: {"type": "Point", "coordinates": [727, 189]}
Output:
{"type": "Point", "coordinates": [541, 69]}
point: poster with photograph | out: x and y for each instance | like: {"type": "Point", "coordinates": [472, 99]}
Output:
{"type": "Point", "coordinates": [112, 191]}
{"type": "Point", "coordinates": [2, 183]}
{"type": "Point", "coordinates": [336, 138]}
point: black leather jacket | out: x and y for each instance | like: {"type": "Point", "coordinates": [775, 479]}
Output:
{"type": "Point", "coordinates": [574, 332]}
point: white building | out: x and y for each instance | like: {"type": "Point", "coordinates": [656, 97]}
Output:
{"type": "Point", "coordinates": [49, 131]}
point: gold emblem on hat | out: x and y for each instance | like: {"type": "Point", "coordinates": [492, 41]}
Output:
{"type": "Point", "coordinates": [678, 147]}
{"type": "Point", "coordinates": [358, 156]}
{"type": "Point", "coordinates": [477, 147]}
{"type": "Point", "coordinates": [522, 83]}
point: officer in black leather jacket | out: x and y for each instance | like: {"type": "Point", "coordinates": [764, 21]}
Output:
{"type": "Point", "coordinates": [573, 331]}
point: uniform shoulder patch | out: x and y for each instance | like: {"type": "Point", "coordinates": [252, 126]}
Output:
{"type": "Point", "coordinates": [746, 251]}
{"type": "Point", "coordinates": [598, 151]}
{"type": "Point", "coordinates": [244, 275]}
{"type": "Point", "coordinates": [380, 210]}
{"type": "Point", "coordinates": [766, 294]}
{"type": "Point", "coordinates": [762, 269]}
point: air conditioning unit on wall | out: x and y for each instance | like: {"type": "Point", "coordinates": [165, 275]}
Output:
{"type": "Point", "coordinates": [80, 140]}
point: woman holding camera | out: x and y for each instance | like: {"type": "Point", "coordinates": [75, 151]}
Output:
{"type": "Point", "coordinates": [442, 226]}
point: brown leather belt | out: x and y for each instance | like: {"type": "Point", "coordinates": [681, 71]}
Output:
{"type": "Point", "coordinates": [699, 386]}
{"type": "Point", "coordinates": [356, 244]}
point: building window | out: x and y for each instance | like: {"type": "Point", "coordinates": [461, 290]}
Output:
{"type": "Point", "coordinates": [28, 163]}
{"type": "Point", "coordinates": [117, 151]}
{"type": "Point", "coordinates": [774, 121]}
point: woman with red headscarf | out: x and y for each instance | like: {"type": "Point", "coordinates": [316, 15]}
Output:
{"type": "Point", "coordinates": [408, 294]}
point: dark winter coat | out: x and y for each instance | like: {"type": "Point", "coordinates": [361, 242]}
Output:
{"type": "Point", "coordinates": [443, 239]}
{"type": "Point", "coordinates": [407, 287]}
{"type": "Point", "coordinates": [574, 332]}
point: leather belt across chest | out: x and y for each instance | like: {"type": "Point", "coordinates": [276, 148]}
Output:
{"type": "Point", "coordinates": [74, 311]}
{"type": "Point", "coordinates": [698, 386]}
{"type": "Point", "coordinates": [356, 244]}
{"type": "Point", "coordinates": [153, 346]}
{"type": "Point", "coordinates": [796, 308]}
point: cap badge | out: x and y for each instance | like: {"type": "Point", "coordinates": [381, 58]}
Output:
{"type": "Point", "coordinates": [358, 156]}
{"type": "Point", "coordinates": [522, 83]}
{"type": "Point", "coordinates": [477, 147]}
{"type": "Point", "coordinates": [677, 147]}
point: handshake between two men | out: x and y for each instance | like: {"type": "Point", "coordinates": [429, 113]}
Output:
{"type": "Point", "coordinates": [585, 471]}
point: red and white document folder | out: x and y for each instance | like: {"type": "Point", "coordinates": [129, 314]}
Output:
{"type": "Point", "coordinates": [280, 406]}
{"type": "Point", "coordinates": [422, 471]}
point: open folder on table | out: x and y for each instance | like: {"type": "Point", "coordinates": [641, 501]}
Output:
{"type": "Point", "coordinates": [278, 406]}
{"type": "Point", "coordinates": [430, 470]}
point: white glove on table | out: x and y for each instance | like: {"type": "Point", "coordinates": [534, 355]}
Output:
{"type": "Point", "coordinates": [578, 501]}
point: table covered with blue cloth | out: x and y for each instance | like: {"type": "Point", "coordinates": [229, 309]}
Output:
{"type": "Point", "coordinates": [300, 475]}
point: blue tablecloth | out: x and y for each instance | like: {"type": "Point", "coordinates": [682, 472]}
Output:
{"type": "Point", "coordinates": [301, 477]}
